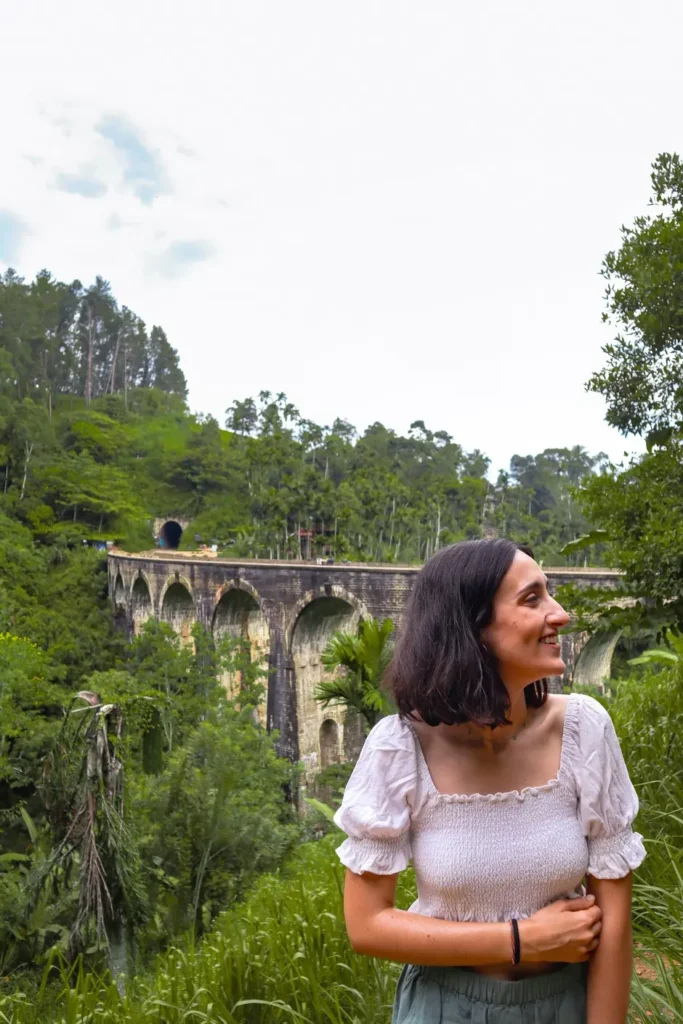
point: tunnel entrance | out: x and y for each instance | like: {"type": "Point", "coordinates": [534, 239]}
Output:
{"type": "Point", "coordinates": [170, 534]}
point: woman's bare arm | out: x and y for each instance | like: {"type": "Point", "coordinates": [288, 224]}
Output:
{"type": "Point", "coordinates": [566, 931]}
{"type": "Point", "coordinates": [377, 928]}
{"type": "Point", "coordinates": [609, 974]}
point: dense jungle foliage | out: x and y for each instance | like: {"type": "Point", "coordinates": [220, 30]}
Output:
{"type": "Point", "coordinates": [139, 804]}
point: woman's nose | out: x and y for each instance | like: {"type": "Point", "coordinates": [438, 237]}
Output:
{"type": "Point", "coordinates": [558, 615]}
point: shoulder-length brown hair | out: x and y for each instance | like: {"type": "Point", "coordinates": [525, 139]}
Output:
{"type": "Point", "coordinates": [440, 668]}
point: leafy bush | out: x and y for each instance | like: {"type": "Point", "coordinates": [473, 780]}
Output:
{"type": "Point", "coordinates": [213, 820]}
{"type": "Point", "coordinates": [159, 800]}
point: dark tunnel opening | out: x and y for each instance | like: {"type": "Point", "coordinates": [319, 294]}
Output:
{"type": "Point", "coordinates": [170, 535]}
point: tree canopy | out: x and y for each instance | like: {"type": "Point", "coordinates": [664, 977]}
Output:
{"type": "Point", "coordinates": [638, 505]}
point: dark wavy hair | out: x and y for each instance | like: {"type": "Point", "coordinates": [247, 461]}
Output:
{"type": "Point", "coordinates": [440, 668]}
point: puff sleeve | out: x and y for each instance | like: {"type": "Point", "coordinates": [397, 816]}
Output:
{"type": "Point", "coordinates": [376, 809]}
{"type": "Point", "coordinates": [608, 803]}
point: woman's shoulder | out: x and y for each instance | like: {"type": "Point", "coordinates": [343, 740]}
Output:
{"type": "Point", "coordinates": [386, 769]}
{"type": "Point", "coordinates": [588, 711]}
{"type": "Point", "coordinates": [551, 717]}
{"type": "Point", "coordinates": [391, 733]}
{"type": "Point", "coordinates": [588, 728]}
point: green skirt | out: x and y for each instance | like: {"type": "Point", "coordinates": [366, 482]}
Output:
{"type": "Point", "coordinates": [453, 995]}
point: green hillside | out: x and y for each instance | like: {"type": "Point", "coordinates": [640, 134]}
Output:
{"type": "Point", "coordinates": [96, 440]}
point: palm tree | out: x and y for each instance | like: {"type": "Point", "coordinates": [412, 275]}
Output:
{"type": "Point", "coordinates": [364, 659]}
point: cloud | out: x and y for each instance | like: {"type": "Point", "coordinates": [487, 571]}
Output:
{"type": "Point", "coordinates": [143, 169]}
{"type": "Point", "coordinates": [81, 185]}
{"type": "Point", "coordinates": [179, 255]}
{"type": "Point", "coordinates": [12, 230]}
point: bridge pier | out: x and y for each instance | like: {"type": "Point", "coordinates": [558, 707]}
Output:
{"type": "Point", "coordinates": [282, 712]}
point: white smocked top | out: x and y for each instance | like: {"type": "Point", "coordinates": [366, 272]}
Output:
{"type": "Point", "coordinates": [490, 857]}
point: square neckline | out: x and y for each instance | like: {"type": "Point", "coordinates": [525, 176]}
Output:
{"type": "Point", "coordinates": [508, 794]}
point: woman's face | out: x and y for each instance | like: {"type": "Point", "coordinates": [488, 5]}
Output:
{"type": "Point", "coordinates": [523, 632]}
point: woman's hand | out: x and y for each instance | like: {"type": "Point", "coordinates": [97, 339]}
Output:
{"type": "Point", "coordinates": [565, 931]}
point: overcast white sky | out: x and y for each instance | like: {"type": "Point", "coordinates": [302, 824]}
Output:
{"type": "Point", "coordinates": [390, 211]}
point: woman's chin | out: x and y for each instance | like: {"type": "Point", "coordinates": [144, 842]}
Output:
{"type": "Point", "coordinates": [555, 667]}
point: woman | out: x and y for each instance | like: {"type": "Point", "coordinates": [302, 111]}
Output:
{"type": "Point", "coordinates": [504, 797]}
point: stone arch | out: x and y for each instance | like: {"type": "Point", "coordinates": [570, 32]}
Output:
{"type": "Point", "coordinates": [238, 613]}
{"type": "Point", "coordinates": [314, 625]}
{"type": "Point", "coordinates": [140, 602]}
{"type": "Point", "coordinates": [327, 590]}
{"type": "Point", "coordinates": [329, 743]}
{"type": "Point", "coordinates": [177, 607]}
{"type": "Point", "coordinates": [170, 535]}
{"type": "Point", "coordinates": [594, 663]}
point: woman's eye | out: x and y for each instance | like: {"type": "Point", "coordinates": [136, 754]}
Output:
{"type": "Point", "coordinates": [532, 597]}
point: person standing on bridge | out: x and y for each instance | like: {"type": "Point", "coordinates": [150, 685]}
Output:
{"type": "Point", "coordinates": [506, 798]}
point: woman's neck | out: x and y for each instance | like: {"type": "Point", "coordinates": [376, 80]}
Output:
{"type": "Point", "coordinates": [484, 737]}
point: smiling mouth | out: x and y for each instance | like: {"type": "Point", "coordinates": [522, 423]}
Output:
{"type": "Point", "coordinates": [550, 641]}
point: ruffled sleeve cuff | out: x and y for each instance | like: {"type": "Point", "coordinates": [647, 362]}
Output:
{"type": "Point", "coordinates": [378, 800]}
{"type": "Point", "coordinates": [615, 856]}
{"type": "Point", "coordinates": [379, 856]}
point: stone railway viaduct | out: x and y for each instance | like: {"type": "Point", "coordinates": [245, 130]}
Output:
{"type": "Point", "coordinates": [288, 611]}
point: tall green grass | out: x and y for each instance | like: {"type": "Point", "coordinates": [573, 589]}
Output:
{"type": "Point", "coordinates": [283, 956]}
{"type": "Point", "coordinates": [647, 709]}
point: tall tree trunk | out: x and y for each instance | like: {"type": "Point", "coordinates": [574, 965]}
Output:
{"type": "Point", "coordinates": [88, 379]}
{"type": "Point", "coordinates": [393, 513]}
{"type": "Point", "coordinates": [113, 363]}
{"type": "Point", "coordinates": [28, 449]}
{"type": "Point", "coordinates": [125, 377]}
